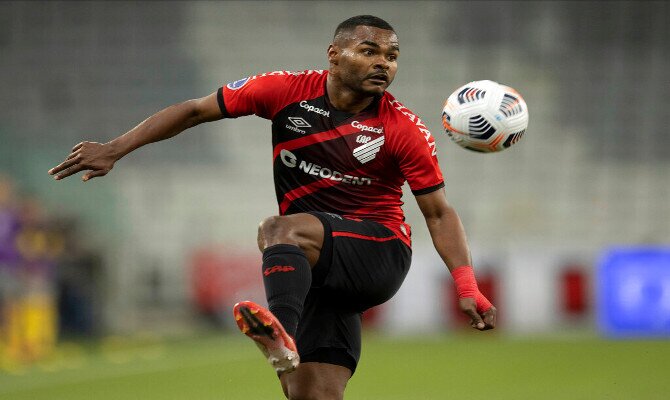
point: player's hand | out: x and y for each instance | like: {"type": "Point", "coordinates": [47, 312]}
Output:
{"type": "Point", "coordinates": [482, 321]}
{"type": "Point", "coordinates": [95, 157]}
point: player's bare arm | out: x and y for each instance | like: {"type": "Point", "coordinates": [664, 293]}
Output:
{"type": "Point", "coordinates": [99, 158]}
{"type": "Point", "coordinates": [448, 235]}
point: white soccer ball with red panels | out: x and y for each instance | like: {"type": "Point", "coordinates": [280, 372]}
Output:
{"type": "Point", "coordinates": [485, 116]}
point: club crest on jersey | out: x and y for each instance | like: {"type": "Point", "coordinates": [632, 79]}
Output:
{"type": "Point", "coordinates": [370, 147]}
{"type": "Point", "coordinates": [363, 139]}
{"type": "Point", "coordinates": [369, 150]}
{"type": "Point", "coordinates": [238, 83]}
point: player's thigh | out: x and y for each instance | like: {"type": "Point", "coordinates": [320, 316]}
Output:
{"type": "Point", "coordinates": [361, 262]}
{"type": "Point", "coordinates": [318, 381]}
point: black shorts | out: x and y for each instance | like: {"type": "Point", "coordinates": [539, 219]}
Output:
{"type": "Point", "coordinates": [362, 264]}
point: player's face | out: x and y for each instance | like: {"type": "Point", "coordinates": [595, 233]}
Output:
{"type": "Point", "coordinates": [366, 60]}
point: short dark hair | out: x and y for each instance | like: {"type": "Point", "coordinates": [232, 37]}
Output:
{"type": "Point", "coordinates": [366, 20]}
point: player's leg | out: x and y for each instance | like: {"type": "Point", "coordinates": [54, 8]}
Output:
{"type": "Point", "coordinates": [291, 246]}
{"type": "Point", "coordinates": [329, 342]}
{"type": "Point", "coordinates": [362, 264]}
{"type": "Point", "coordinates": [313, 380]}
{"type": "Point", "coordinates": [342, 284]}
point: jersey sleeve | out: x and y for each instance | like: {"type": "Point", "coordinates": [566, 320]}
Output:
{"type": "Point", "coordinates": [262, 95]}
{"type": "Point", "coordinates": [415, 151]}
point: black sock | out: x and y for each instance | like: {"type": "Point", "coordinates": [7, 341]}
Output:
{"type": "Point", "coordinates": [287, 277]}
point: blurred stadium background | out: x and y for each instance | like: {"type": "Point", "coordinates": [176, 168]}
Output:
{"type": "Point", "coordinates": [121, 287]}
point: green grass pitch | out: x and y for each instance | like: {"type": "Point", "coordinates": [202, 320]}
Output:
{"type": "Point", "coordinates": [479, 366]}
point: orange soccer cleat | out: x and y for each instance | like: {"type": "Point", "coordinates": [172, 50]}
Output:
{"type": "Point", "coordinates": [269, 335]}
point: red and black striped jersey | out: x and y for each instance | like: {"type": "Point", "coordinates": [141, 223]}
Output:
{"type": "Point", "coordinates": [328, 160]}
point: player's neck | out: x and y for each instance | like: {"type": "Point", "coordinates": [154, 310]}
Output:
{"type": "Point", "coordinates": [344, 99]}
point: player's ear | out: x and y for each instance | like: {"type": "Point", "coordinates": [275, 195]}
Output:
{"type": "Point", "coordinates": [333, 52]}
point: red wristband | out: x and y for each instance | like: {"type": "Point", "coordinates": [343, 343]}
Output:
{"type": "Point", "coordinates": [483, 304]}
{"type": "Point", "coordinates": [464, 278]}
{"type": "Point", "coordinates": [466, 287]}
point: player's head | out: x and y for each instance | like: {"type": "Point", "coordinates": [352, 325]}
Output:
{"type": "Point", "coordinates": [363, 54]}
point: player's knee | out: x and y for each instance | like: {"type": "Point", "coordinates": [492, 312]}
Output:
{"type": "Point", "coordinates": [301, 230]}
{"type": "Point", "coordinates": [284, 230]}
{"type": "Point", "coordinates": [273, 230]}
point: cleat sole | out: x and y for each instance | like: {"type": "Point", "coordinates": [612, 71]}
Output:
{"type": "Point", "coordinates": [269, 336]}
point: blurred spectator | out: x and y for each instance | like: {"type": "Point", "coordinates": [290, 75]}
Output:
{"type": "Point", "coordinates": [9, 261]}
{"type": "Point", "coordinates": [32, 247]}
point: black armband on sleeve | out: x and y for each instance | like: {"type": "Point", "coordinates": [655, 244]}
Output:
{"type": "Point", "coordinates": [222, 104]}
{"type": "Point", "coordinates": [428, 189]}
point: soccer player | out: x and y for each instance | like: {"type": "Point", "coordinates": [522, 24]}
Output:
{"type": "Point", "coordinates": [343, 148]}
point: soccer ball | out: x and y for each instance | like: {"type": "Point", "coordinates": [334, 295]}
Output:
{"type": "Point", "coordinates": [485, 116]}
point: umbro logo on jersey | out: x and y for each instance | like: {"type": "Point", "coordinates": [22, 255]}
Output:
{"type": "Point", "coordinates": [369, 150]}
{"type": "Point", "coordinates": [297, 124]}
